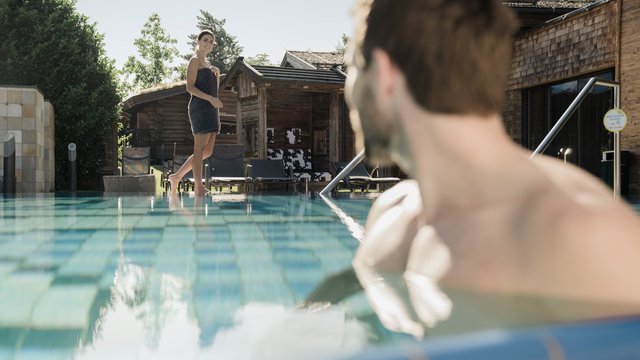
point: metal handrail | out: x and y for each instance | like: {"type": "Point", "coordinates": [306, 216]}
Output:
{"type": "Point", "coordinates": [342, 174]}
{"type": "Point", "coordinates": [571, 109]}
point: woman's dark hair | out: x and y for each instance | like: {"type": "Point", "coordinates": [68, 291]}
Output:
{"type": "Point", "coordinates": [205, 32]}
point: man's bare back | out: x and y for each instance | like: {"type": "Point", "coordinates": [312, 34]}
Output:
{"type": "Point", "coordinates": [563, 237]}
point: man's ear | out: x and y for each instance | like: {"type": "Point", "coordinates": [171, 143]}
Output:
{"type": "Point", "coordinates": [385, 72]}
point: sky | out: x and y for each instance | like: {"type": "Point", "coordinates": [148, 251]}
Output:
{"type": "Point", "coordinates": [260, 26]}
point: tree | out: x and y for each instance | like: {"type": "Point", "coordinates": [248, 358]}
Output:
{"type": "Point", "coordinates": [260, 59]}
{"type": "Point", "coordinates": [158, 51]}
{"type": "Point", "coordinates": [341, 48]}
{"type": "Point", "coordinates": [48, 44]}
{"type": "Point", "coordinates": [227, 51]}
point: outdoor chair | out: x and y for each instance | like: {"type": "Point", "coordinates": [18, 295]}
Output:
{"type": "Point", "coordinates": [360, 178]}
{"type": "Point", "coordinates": [227, 167]}
{"type": "Point", "coordinates": [269, 172]}
{"type": "Point", "coordinates": [135, 161]}
{"type": "Point", "coordinates": [136, 175]}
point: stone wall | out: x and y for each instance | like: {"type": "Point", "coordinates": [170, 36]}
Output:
{"type": "Point", "coordinates": [591, 41]}
{"type": "Point", "coordinates": [26, 115]}
{"type": "Point", "coordinates": [564, 49]}
{"type": "Point", "coordinates": [630, 84]}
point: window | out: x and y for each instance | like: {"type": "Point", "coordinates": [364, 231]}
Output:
{"type": "Point", "coordinates": [584, 133]}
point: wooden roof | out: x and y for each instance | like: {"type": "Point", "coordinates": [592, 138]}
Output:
{"type": "Point", "coordinates": [312, 59]}
{"type": "Point", "coordinates": [533, 14]}
{"type": "Point", "coordinates": [262, 74]}
{"type": "Point", "coordinates": [549, 4]}
{"type": "Point", "coordinates": [154, 94]}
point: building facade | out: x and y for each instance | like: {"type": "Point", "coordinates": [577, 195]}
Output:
{"type": "Point", "coordinates": [551, 64]}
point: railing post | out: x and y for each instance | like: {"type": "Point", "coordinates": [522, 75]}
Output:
{"type": "Point", "coordinates": [616, 149]}
{"type": "Point", "coordinates": [207, 175]}
{"type": "Point", "coordinates": [73, 171]}
{"type": "Point", "coordinates": [347, 169]}
{"type": "Point", "coordinates": [9, 183]}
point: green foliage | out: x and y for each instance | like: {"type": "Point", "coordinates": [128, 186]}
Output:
{"type": "Point", "coordinates": [46, 43]}
{"type": "Point", "coordinates": [226, 52]}
{"type": "Point", "coordinates": [157, 50]}
{"type": "Point", "coordinates": [260, 59]}
{"type": "Point", "coordinates": [341, 48]}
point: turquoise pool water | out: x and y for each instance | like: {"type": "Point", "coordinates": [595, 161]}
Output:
{"type": "Point", "coordinates": [137, 277]}
{"type": "Point", "coordinates": [165, 278]}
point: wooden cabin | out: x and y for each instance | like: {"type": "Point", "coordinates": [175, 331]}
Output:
{"type": "Point", "coordinates": [290, 111]}
{"type": "Point", "coordinates": [158, 119]}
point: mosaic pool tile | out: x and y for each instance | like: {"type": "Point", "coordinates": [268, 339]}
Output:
{"type": "Point", "coordinates": [49, 344]}
{"type": "Point", "coordinates": [213, 259]}
{"type": "Point", "coordinates": [152, 222]}
{"type": "Point", "coordinates": [215, 278]}
{"type": "Point", "coordinates": [270, 292]}
{"type": "Point", "coordinates": [108, 278]}
{"type": "Point", "coordinates": [76, 299]}
{"type": "Point", "coordinates": [84, 263]}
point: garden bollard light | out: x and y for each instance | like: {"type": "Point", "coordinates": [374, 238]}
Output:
{"type": "Point", "coordinates": [9, 183]}
{"type": "Point", "coordinates": [73, 173]}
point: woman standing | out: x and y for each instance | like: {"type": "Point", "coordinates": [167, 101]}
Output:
{"type": "Point", "coordinates": [202, 84]}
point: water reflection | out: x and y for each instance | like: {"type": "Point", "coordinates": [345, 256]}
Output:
{"type": "Point", "coordinates": [148, 317]}
{"type": "Point", "coordinates": [272, 332]}
{"type": "Point", "coordinates": [151, 316]}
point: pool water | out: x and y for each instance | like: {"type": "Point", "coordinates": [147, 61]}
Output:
{"type": "Point", "coordinates": [137, 277]}
{"type": "Point", "coordinates": [224, 277]}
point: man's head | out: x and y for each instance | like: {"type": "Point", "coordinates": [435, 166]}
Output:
{"type": "Point", "coordinates": [453, 55]}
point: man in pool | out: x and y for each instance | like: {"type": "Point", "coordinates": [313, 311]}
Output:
{"type": "Point", "coordinates": [425, 84]}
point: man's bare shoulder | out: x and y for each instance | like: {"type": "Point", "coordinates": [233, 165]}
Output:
{"type": "Point", "coordinates": [404, 196]}
{"type": "Point", "coordinates": [576, 204]}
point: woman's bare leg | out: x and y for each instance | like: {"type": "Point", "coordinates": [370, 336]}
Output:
{"type": "Point", "coordinates": [208, 148]}
{"type": "Point", "coordinates": [201, 144]}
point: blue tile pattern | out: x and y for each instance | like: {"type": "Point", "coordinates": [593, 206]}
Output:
{"type": "Point", "coordinates": [74, 269]}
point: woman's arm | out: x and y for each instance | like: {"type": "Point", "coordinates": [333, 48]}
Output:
{"type": "Point", "coordinates": [216, 71]}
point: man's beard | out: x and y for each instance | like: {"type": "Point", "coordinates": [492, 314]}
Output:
{"type": "Point", "coordinates": [377, 140]}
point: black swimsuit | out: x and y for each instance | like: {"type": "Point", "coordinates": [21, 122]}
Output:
{"type": "Point", "coordinates": [203, 116]}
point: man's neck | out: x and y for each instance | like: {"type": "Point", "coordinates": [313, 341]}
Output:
{"type": "Point", "coordinates": [461, 162]}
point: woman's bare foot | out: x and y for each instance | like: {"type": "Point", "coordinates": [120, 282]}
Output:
{"type": "Point", "coordinates": [173, 200]}
{"type": "Point", "coordinates": [200, 191]}
{"type": "Point", "coordinates": [174, 181]}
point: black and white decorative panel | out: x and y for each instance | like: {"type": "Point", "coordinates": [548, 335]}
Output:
{"type": "Point", "coordinates": [296, 159]}
{"type": "Point", "coordinates": [270, 136]}
{"type": "Point", "coordinates": [294, 136]}
{"type": "Point", "coordinates": [275, 154]}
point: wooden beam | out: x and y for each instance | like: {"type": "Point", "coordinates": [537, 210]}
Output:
{"type": "Point", "coordinates": [262, 123]}
{"type": "Point", "coordinates": [239, 128]}
{"type": "Point", "coordinates": [334, 126]}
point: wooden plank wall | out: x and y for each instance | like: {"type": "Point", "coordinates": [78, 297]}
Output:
{"type": "Point", "coordinates": [320, 121]}
{"type": "Point", "coordinates": [248, 110]}
{"type": "Point", "coordinates": [246, 87]}
{"type": "Point", "coordinates": [346, 136]}
{"type": "Point", "coordinates": [287, 109]}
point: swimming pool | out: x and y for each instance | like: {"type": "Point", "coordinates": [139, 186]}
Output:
{"type": "Point", "coordinates": [96, 277]}
{"type": "Point", "coordinates": [146, 277]}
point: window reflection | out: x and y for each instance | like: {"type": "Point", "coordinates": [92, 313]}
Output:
{"type": "Point", "coordinates": [583, 134]}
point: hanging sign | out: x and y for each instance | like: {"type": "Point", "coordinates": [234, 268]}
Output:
{"type": "Point", "coordinates": [615, 120]}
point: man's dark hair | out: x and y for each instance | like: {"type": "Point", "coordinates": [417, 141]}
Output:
{"type": "Point", "coordinates": [455, 54]}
